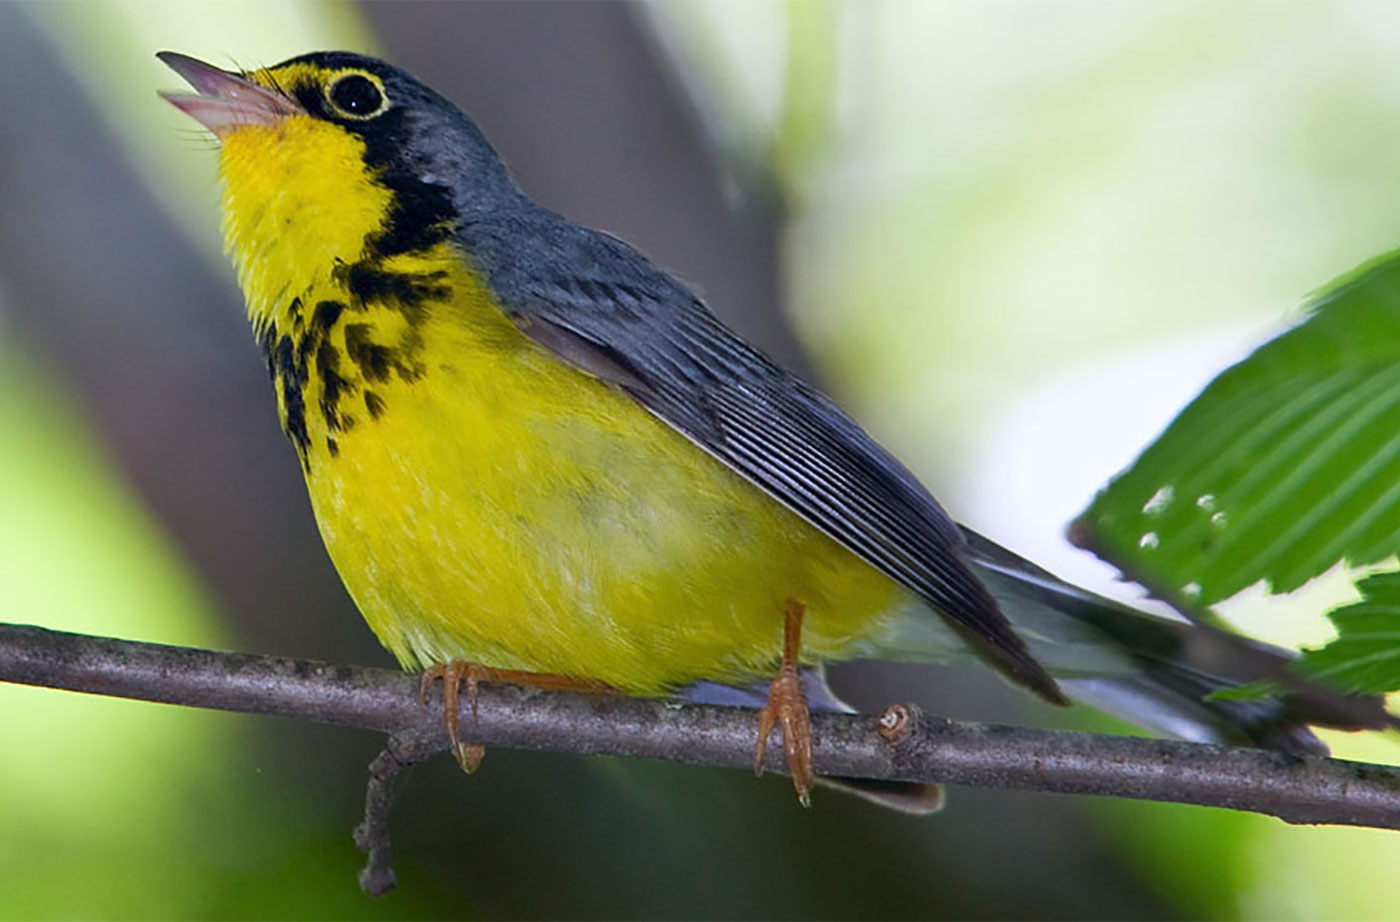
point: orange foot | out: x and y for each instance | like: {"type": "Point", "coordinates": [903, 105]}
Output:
{"type": "Point", "coordinates": [453, 674]}
{"type": "Point", "coordinates": [787, 707]}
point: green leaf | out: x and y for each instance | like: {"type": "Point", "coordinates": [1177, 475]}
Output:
{"type": "Point", "coordinates": [1365, 657]}
{"type": "Point", "coordinates": [1285, 464]}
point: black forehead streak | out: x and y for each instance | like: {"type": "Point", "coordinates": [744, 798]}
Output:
{"type": "Point", "coordinates": [340, 60]}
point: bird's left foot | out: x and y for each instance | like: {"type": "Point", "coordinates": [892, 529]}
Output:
{"type": "Point", "coordinates": [787, 708]}
{"type": "Point", "coordinates": [456, 673]}
{"type": "Point", "coordinates": [453, 674]}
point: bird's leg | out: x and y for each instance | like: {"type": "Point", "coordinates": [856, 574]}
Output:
{"type": "Point", "coordinates": [457, 672]}
{"type": "Point", "coordinates": [787, 707]}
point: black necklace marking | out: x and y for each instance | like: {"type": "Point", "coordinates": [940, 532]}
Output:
{"type": "Point", "coordinates": [342, 373]}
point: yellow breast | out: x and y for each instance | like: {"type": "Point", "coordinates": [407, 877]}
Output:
{"type": "Point", "coordinates": [483, 501]}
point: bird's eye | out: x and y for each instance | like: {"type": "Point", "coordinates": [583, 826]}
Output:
{"type": "Point", "coordinates": [357, 96]}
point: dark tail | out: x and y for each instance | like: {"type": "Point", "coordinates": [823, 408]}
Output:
{"type": "Point", "coordinates": [1179, 666]}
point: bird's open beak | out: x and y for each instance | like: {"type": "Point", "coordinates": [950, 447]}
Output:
{"type": "Point", "coordinates": [225, 101]}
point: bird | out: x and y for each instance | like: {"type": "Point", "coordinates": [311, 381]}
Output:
{"type": "Point", "coordinates": [535, 456]}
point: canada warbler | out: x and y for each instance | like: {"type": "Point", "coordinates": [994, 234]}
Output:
{"type": "Point", "coordinates": [530, 450]}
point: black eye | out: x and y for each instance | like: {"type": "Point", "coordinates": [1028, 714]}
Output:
{"type": "Point", "coordinates": [356, 95]}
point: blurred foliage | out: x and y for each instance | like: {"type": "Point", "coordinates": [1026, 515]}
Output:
{"type": "Point", "coordinates": [69, 791]}
{"type": "Point", "coordinates": [119, 809]}
{"type": "Point", "coordinates": [1284, 466]}
{"type": "Point", "coordinates": [988, 198]}
{"type": "Point", "coordinates": [110, 46]}
{"type": "Point", "coordinates": [809, 94]}
{"type": "Point", "coordinates": [1196, 859]}
{"type": "Point", "coordinates": [1082, 186]}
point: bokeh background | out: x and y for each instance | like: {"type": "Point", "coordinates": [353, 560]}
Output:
{"type": "Point", "coordinates": [1012, 237]}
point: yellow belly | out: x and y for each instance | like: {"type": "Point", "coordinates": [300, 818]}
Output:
{"type": "Point", "coordinates": [508, 510]}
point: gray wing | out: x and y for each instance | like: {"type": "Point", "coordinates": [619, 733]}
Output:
{"type": "Point", "coordinates": [602, 307]}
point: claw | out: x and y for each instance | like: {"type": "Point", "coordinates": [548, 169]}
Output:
{"type": "Point", "coordinates": [787, 709]}
{"type": "Point", "coordinates": [452, 675]}
{"type": "Point", "coordinates": [457, 672]}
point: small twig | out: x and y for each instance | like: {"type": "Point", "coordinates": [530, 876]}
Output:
{"type": "Point", "coordinates": [372, 835]}
{"type": "Point", "coordinates": [377, 877]}
{"type": "Point", "coordinates": [901, 745]}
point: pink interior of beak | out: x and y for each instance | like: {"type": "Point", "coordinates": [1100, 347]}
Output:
{"type": "Point", "coordinates": [225, 101]}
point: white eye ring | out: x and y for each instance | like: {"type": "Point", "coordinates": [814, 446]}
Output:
{"type": "Point", "coordinates": [356, 95]}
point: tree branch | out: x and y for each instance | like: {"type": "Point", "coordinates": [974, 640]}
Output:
{"type": "Point", "coordinates": [902, 744]}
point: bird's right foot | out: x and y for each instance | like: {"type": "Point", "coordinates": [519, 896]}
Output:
{"type": "Point", "coordinates": [787, 709]}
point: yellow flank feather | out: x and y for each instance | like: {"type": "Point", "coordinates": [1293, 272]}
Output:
{"type": "Point", "coordinates": [482, 500]}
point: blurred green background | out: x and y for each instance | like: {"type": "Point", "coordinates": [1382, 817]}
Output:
{"type": "Point", "coordinates": [1012, 237]}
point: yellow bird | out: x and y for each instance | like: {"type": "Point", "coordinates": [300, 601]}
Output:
{"type": "Point", "coordinates": [535, 456]}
